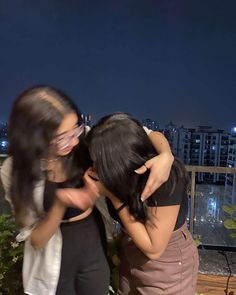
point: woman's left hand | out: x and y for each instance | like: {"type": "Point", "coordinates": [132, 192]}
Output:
{"type": "Point", "coordinates": [83, 197]}
{"type": "Point", "coordinates": [159, 173]}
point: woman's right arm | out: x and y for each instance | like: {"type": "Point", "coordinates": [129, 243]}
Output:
{"type": "Point", "coordinates": [152, 237]}
{"type": "Point", "coordinates": [40, 233]}
{"type": "Point", "coordinates": [48, 226]}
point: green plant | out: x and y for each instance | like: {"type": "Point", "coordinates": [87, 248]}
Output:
{"type": "Point", "coordinates": [114, 261]}
{"type": "Point", "coordinates": [197, 240]}
{"type": "Point", "coordinates": [230, 223]}
{"type": "Point", "coordinates": [11, 257]}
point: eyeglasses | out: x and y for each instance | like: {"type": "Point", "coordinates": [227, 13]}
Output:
{"type": "Point", "coordinates": [62, 143]}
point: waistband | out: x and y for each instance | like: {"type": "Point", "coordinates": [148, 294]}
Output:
{"type": "Point", "coordinates": [85, 220]}
{"type": "Point", "coordinates": [181, 234]}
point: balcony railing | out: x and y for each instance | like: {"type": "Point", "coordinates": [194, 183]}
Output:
{"type": "Point", "coordinates": [202, 169]}
{"type": "Point", "coordinates": [206, 216]}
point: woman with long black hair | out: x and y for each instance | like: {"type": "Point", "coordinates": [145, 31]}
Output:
{"type": "Point", "coordinates": [64, 249]}
{"type": "Point", "coordinates": [158, 253]}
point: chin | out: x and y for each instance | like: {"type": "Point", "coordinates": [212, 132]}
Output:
{"type": "Point", "coordinates": [66, 152]}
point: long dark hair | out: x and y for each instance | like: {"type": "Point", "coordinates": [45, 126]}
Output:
{"type": "Point", "coordinates": [35, 117]}
{"type": "Point", "coordinates": [118, 145]}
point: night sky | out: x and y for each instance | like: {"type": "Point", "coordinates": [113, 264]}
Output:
{"type": "Point", "coordinates": [165, 60]}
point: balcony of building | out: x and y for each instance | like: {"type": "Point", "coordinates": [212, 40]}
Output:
{"type": "Point", "coordinates": [206, 219]}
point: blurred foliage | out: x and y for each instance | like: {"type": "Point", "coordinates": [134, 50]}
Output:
{"type": "Point", "coordinates": [230, 223]}
{"type": "Point", "coordinates": [11, 258]}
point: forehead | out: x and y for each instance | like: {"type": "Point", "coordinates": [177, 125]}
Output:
{"type": "Point", "coordinates": [67, 124]}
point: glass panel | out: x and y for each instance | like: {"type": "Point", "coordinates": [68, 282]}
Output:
{"type": "Point", "coordinates": [209, 215]}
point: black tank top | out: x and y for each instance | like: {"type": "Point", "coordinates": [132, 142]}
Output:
{"type": "Point", "coordinates": [49, 195]}
{"type": "Point", "coordinates": [160, 198]}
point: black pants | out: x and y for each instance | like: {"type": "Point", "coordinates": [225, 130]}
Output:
{"type": "Point", "coordinates": [84, 267]}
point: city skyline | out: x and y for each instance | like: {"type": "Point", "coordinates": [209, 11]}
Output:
{"type": "Point", "coordinates": [167, 60]}
{"type": "Point", "coordinates": [163, 126]}
{"type": "Point", "coordinates": [160, 126]}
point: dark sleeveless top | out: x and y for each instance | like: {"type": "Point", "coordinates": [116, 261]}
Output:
{"type": "Point", "coordinates": [49, 195]}
{"type": "Point", "coordinates": [160, 198]}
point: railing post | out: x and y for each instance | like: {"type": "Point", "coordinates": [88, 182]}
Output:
{"type": "Point", "coordinates": [193, 181]}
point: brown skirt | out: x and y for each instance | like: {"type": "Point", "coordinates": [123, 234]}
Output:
{"type": "Point", "coordinates": [174, 273]}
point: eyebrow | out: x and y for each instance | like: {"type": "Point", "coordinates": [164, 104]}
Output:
{"type": "Point", "coordinates": [63, 133]}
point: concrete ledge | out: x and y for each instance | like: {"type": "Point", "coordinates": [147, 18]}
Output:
{"type": "Point", "coordinates": [214, 263]}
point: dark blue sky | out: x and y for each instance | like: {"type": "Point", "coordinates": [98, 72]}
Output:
{"type": "Point", "coordinates": [166, 60]}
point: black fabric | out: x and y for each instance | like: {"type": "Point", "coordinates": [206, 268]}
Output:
{"type": "Point", "coordinates": [112, 211]}
{"type": "Point", "coordinates": [160, 199]}
{"type": "Point", "coordinates": [84, 267]}
{"type": "Point", "coordinates": [49, 195]}
{"type": "Point", "coordinates": [177, 197]}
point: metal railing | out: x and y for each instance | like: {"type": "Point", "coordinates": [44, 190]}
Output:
{"type": "Point", "coordinates": [194, 192]}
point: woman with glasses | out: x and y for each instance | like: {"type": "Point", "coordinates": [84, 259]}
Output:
{"type": "Point", "coordinates": [64, 249]}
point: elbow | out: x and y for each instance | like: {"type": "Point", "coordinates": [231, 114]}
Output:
{"type": "Point", "coordinates": [37, 245]}
{"type": "Point", "coordinates": [154, 255]}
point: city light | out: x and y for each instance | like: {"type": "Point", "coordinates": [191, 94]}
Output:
{"type": "Point", "coordinates": [4, 143]}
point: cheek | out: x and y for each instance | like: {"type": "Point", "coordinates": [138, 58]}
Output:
{"type": "Point", "coordinates": [73, 144]}
{"type": "Point", "coordinates": [64, 153]}
{"type": "Point", "coordinates": [67, 150]}
{"type": "Point", "coordinates": [75, 141]}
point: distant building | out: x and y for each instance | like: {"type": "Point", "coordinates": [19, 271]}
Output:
{"type": "Point", "coordinates": [171, 133]}
{"type": "Point", "coordinates": [150, 124]}
{"type": "Point", "coordinates": [209, 147]}
{"type": "Point", "coordinates": [3, 130]}
{"type": "Point", "coordinates": [4, 143]}
{"type": "Point", "coordinates": [182, 149]}
{"type": "Point", "coordinates": [230, 181]}
{"type": "Point", "coordinates": [233, 131]}
{"type": "Point", "coordinates": [201, 146]}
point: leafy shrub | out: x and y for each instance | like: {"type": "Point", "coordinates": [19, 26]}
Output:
{"type": "Point", "coordinates": [11, 258]}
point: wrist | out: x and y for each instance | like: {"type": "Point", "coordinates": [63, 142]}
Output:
{"type": "Point", "coordinates": [116, 202]}
{"type": "Point", "coordinates": [58, 208]}
{"type": "Point", "coordinates": [122, 206]}
{"type": "Point", "coordinates": [167, 154]}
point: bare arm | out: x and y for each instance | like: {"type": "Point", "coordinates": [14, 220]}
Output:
{"type": "Point", "coordinates": [159, 166]}
{"type": "Point", "coordinates": [160, 143]}
{"type": "Point", "coordinates": [41, 234]}
{"type": "Point", "coordinates": [153, 236]}
{"type": "Point", "coordinates": [48, 226]}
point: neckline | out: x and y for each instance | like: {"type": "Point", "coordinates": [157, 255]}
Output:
{"type": "Point", "coordinates": [56, 182]}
